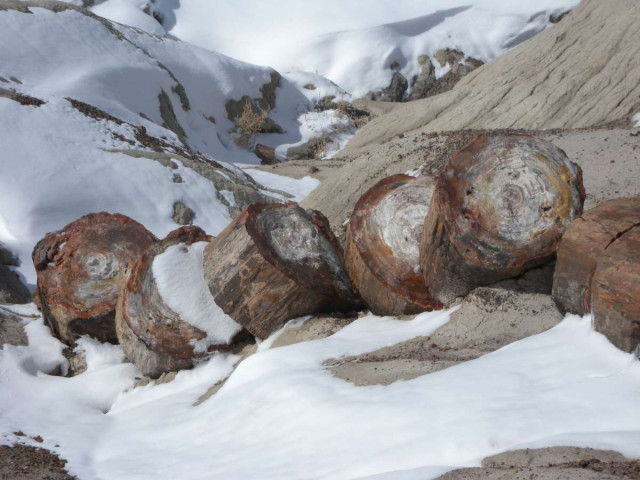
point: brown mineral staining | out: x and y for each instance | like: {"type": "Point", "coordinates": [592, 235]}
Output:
{"type": "Point", "coordinates": [81, 270]}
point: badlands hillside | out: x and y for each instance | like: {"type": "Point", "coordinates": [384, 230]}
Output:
{"type": "Point", "coordinates": [168, 311]}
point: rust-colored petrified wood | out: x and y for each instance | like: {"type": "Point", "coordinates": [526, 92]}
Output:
{"type": "Point", "coordinates": [583, 242]}
{"type": "Point", "coordinates": [276, 262]}
{"type": "Point", "coordinates": [166, 316]}
{"type": "Point", "coordinates": [500, 207]}
{"type": "Point", "coordinates": [81, 270]}
{"type": "Point", "coordinates": [382, 254]}
{"type": "Point", "coordinates": [615, 292]}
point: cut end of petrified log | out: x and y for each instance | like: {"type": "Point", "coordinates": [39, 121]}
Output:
{"type": "Point", "coordinates": [166, 316]}
{"type": "Point", "coordinates": [616, 292]}
{"type": "Point", "coordinates": [501, 206]}
{"type": "Point", "coordinates": [383, 240]}
{"type": "Point", "coordinates": [276, 262]}
{"type": "Point", "coordinates": [582, 244]}
{"type": "Point", "coordinates": [81, 270]}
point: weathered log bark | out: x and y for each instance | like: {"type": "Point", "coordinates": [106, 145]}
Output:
{"type": "Point", "coordinates": [382, 254]}
{"type": "Point", "coordinates": [500, 208]}
{"type": "Point", "coordinates": [165, 316]}
{"type": "Point", "coordinates": [276, 262]}
{"type": "Point", "coordinates": [81, 270]}
{"type": "Point", "coordinates": [616, 292]}
{"type": "Point", "coordinates": [582, 244]}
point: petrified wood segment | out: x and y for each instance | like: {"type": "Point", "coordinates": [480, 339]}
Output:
{"type": "Point", "coordinates": [81, 270]}
{"type": "Point", "coordinates": [616, 292]}
{"type": "Point", "coordinates": [276, 262]}
{"type": "Point", "coordinates": [583, 242]}
{"type": "Point", "coordinates": [383, 239]}
{"type": "Point", "coordinates": [166, 316]}
{"type": "Point", "coordinates": [500, 207]}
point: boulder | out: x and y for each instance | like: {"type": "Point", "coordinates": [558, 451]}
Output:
{"type": "Point", "coordinates": [615, 292]}
{"type": "Point", "coordinates": [276, 262]}
{"type": "Point", "coordinates": [394, 92]}
{"type": "Point", "coordinates": [267, 155]}
{"type": "Point", "coordinates": [422, 83]}
{"type": "Point", "coordinates": [166, 317]}
{"type": "Point", "coordinates": [383, 238]}
{"type": "Point", "coordinates": [500, 208]}
{"type": "Point", "coordinates": [582, 244]}
{"type": "Point", "coordinates": [81, 270]}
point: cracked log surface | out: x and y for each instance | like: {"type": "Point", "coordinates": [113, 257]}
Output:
{"type": "Point", "coordinates": [582, 244]}
{"type": "Point", "coordinates": [616, 292]}
{"type": "Point", "coordinates": [382, 254]}
{"type": "Point", "coordinates": [500, 207]}
{"type": "Point", "coordinates": [276, 262]}
{"type": "Point", "coordinates": [155, 337]}
{"type": "Point", "coordinates": [81, 270]}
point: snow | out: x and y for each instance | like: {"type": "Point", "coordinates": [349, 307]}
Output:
{"type": "Point", "coordinates": [179, 276]}
{"type": "Point", "coordinates": [299, 189]}
{"type": "Point", "coordinates": [58, 164]}
{"type": "Point", "coordinates": [282, 415]}
{"type": "Point", "coordinates": [636, 119]}
{"type": "Point", "coordinates": [351, 45]}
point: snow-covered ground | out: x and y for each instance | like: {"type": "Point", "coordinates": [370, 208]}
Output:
{"type": "Point", "coordinates": [58, 164]}
{"type": "Point", "coordinates": [348, 41]}
{"type": "Point", "coordinates": [282, 415]}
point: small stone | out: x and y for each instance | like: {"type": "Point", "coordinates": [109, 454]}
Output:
{"type": "Point", "coordinates": [182, 214]}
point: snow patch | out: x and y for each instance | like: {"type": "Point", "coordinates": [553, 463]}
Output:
{"type": "Point", "coordinates": [179, 276]}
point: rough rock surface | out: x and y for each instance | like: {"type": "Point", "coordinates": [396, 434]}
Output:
{"type": "Point", "coordinates": [182, 214]}
{"type": "Point", "coordinates": [609, 158]}
{"type": "Point", "coordinates": [581, 246]}
{"type": "Point", "coordinates": [615, 292]}
{"type": "Point", "coordinates": [554, 463]}
{"type": "Point", "coordinates": [267, 155]}
{"type": "Point", "coordinates": [582, 72]}
{"type": "Point", "coordinates": [488, 319]}
{"type": "Point", "coordinates": [394, 92]}
{"type": "Point", "coordinates": [12, 290]}
{"type": "Point", "coordinates": [21, 462]}
{"type": "Point", "coordinates": [11, 329]}
{"type": "Point", "coordinates": [81, 270]}
{"type": "Point", "coordinates": [382, 256]}
{"type": "Point", "coordinates": [500, 207]}
{"type": "Point", "coordinates": [153, 336]}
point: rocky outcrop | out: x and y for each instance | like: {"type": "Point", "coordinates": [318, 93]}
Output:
{"type": "Point", "coordinates": [586, 239]}
{"type": "Point", "coordinates": [12, 290]}
{"type": "Point", "coordinates": [81, 270]}
{"type": "Point", "coordinates": [394, 92]}
{"type": "Point", "coordinates": [581, 72]}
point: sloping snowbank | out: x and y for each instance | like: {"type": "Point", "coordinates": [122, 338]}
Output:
{"type": "Point", "coordinates": [281, 414]}
{"type": "Point", "coordinates": [348, 42]}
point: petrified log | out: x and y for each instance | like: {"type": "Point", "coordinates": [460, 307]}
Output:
{"type": "Point", "coordinates": [583, 242]}
{"type": "Point", "coordinates": [276, 262]}
{"type": "Point", "coordinates": [616, 292]}
{"type": "Point", "coordinates": [166, 316]}
{"type": "Point", "coordinates": [500, 207]}
{"type": "Point", "coordinates": [382, 254]}
{"type": "Point", "coordinates": [81, 270]}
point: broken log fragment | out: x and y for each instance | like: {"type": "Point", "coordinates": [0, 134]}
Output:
{"type": "Point", "coordinates": [383, 239]}
{"type": "Point", "coordinates": [81, 270]}
{"type": "Point", "coordinates": [616, 292]}
{"type": "Point", "coordinates": [166, 316]}
{"type": "Point", "coordinates": [276, 262]}
{"type": "Point", "coordinates": [581, 246]}
{"type": "Point", "coordinates": [500, 207]}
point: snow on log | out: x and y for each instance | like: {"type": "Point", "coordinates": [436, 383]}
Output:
{"type": "Point", "coordinates": [81, 270]}
{"type": "Point", "coordinates": [582, 244]}
{"type": "Point", "coordinates": [276, 262]}
{"type": "Point", "coordinates": [616, 292]}
{"type": "Point", "coordinates": [500, 207]}
{"type": "Point", "coordinates": [383, 238]}
{"type": "Point", "coordinates": [166, 316]}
